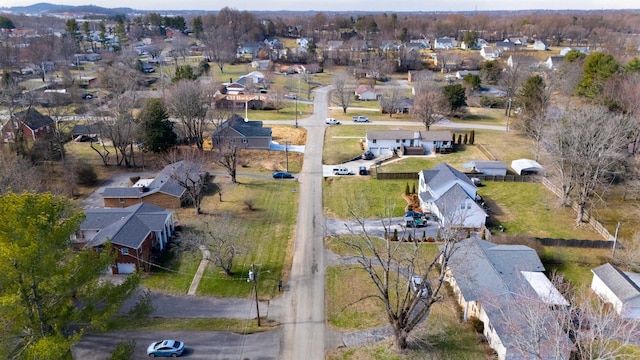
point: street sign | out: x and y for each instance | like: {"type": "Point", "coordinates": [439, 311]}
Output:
{"type": "Point", "coordinates": [245, 97]}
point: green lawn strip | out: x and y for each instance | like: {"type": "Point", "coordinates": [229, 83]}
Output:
{"type": "Point", "coordinates": [175, 275]}
{"type": "Point", "coordinates": [368, 195]}
{"type": "Point", "coordinates": [188, 324]}
{"type": "Point", "coordinates": [505, 146]}
{"type": "Point", "coordinates": [269, 230]}
{"type": "Point", "coordinates": [530, 209]}
{"type": "Point", "coordinates": [484, 116]}
{"type": "Point", "coordinates": [462, 155]}
{"type": "Point", "coordinates": [288, 112]}
{"type": "Point", "coordinates": [373, 114]}
{"type": "Point", "coordinates": [574, 264]}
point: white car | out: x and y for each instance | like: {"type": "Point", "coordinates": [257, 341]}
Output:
{"type": "Point", "coordinates": [332, 121]}
{"type": "Point", "coordinates": [360, 119]}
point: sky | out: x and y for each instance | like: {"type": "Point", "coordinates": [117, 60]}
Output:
{"type": "Point", "coordinates": [347, 5]}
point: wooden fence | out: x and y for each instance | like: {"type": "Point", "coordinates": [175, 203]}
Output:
{"type": "Point", "coordinates": [527, 240]}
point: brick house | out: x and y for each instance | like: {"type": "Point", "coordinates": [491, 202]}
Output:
{"type": "Point", "coordinates": [29, 125]}
{"type": "Point", "coordinates": [135, 232]}
{"type": "Point", "coordinates": [165, 190]}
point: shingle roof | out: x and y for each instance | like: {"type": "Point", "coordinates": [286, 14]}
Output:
{"type": "Point", "coordinates": [617, 281]}
{"type": "Point", "coordinates": [245, 128]}
{"type": "Point", "coordinates": [486, 164]}
{"type": "Point", "coordinates": [441, 135]}
{"type": "Point", "coordinates": [34, 119]}
{"type": "Point", "coordinates": [442, 174]}
{"type": "Point", "coordinates": [124, 226]}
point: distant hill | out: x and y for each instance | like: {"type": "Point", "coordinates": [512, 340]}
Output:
{"type": "Point", "coordinates": [47, 8]}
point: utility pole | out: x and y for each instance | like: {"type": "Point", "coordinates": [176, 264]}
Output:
{"type": "Point", "coordinates": [253, 277]}
{"type": "Point", "coordinates": [615, 240]}
{"type": "Point", "coordinates": [286, 153]}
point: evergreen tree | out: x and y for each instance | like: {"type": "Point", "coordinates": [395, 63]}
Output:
{"type": "Point", "coordinates": [597, 68]}
{"type": "Point", "coordinates": [472, 137]}
{"type": "Point", "coordinates": [157, 133]}
{"type": "Point", "coordinates": [456, 96]}
{"type": "Point", "coordinates": [184, 72]}
{"type": "Point", "coordinates": [196, 24]}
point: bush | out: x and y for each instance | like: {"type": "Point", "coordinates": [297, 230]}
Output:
{"type": "Point", "coordinates": [477, 325]}
{"type": "Point", "coordinates": [124, 350]}
{"type": "Point", "coordinates": [492, 102]}
{"type": "Point", "coordinates": [86, 174]}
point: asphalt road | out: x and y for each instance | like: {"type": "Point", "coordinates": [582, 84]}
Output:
{"type": "Point", "coordinates": [203, 345]}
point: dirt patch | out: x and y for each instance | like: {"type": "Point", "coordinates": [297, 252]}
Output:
{"type": "Point", "coordinates": [413, 202]}
{"type": "Point", "coordinates": [282, 133]}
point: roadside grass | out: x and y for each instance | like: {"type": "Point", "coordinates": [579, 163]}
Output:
{"type": "Point", "coordinates": [367, 195]}
{"type": "Point", "coordinates": [288, 112]}
{"type": "Point", "coordinates": [246, 326]}
{"type": "Point", "coordinates": [372, 113]}
{"type": "Point", "coordinates": [483, 116]}
{"type": "Point", "coordinates": [282, 133]}
{"type": "Point", "coordinates": [532, 210]}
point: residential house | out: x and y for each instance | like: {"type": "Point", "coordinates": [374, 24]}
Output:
{"type": "Point", "coordinates": [390, 45]}
{"type": "Point", "coordinates": [451, 197]}
{"type": "Point", "coordinates": [333, 45]}
{"type": "Point", "coordinates": [490, 53]}
{"type": "Point", "coordinates": [262, 64]}
{"type": "Point", "coordinates": [584, 50]}
{"type": "Point", "coordinates": [522, 62]}
{"type": "Point", "coordinates": [85, 131]}
{"type": "Point", "coordinates": [505, 46]}
{"type": "Point", "coordinates": [553, 62]}
{"type": "Point", "coordinates": [539, 45]}
{"type": "Point", "coordinates": [445, 43]}
{"type": "Point", "coordinates": [250, 49]}
{"type": "Point", "coordinates": [28, 125]}
{"type": "Point", "coordinates": [495, 284]}
{"type": "Point", "coordinates": [136, 232]}
{"type": "Point", "coordinates": [419, 75]}
{"type": "Point", "coordinates": [517, 40]}
{"type": "Point", "coordinates": [487, 167]}
{"type": "Point", "coordinates": [385, 142]}
{"type": "Point", "coordinates": [165, 190]}
{"type": "Point", "coordinates": [366, 93]}
{"type": "Point", "coordinates": [238, 132]}
{"type": "Point", "coordinates": [253, 78]}
{"type": "Point", "coordinates": [477, 44]}
{"type": "Point", "coordinates": [619, 288]}
{"type": "Point", "coordinates": [274, 43]}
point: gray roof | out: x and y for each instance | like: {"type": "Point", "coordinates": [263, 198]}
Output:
{"type": "Point", "coordinates": [617, 281]}
{"type": "Point", "coordinates": [442, 174]}
{"type": "Point", "coordinates": [124, 226]}
{"type": "Point", "coordinates": [245, 128]}
{"type": "Point", "coordinates": [34, 119]}
{"type": "Point", "coordinates": [485, 164]}
{"type": "Point", "coordinates": [168, 181]}
{"type": "Point", "coordinates": [442, 135]}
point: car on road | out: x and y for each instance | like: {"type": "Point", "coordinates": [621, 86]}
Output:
{"type": "Point", "coordinates": [166, 348]}
{"type": "Point", "coordinates": [342, 171]}
{"type": "Point", "coordinates": [282, 175]}
{"type": "Point", "coordinates": [362, 170]}
{"type": "Point", "coordinates": [332, 121]}
{"type": "Point", "coordinates": [360, 119]}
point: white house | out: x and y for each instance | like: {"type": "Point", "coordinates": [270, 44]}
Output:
{"type": "Point", "coordinates": [489, 53]}
{"type": "Point", "coordinates": [582, 49]}
{"type": "Point", "coordinates": [522, 62]}
{"type": "Point", "coordinates": [489, 280]}
{"type": "Point", "coordinates": [445, 43]}
{"type": "Point", "coordinates": [451, 196]}
{"type": "Point", "coordinates": [366, 93]}
{"type": "Point", "coordinates": [460, 74]}
{"type": "Point", "coordinates": [539, 45]}
{"type": "Point", "coordinates": [620, 289]}
{"type": "Point", "coordinates": [487, 167]}
{"type": "Point", "coordinates": [384, 142]}
{"type": "Point", "coordinates": [477, 44]}
{"type": "Point", "coordinates": [553, 62]}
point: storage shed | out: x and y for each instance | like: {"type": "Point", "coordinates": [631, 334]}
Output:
{"type": "Point", "coordinates": [487, 167]}
{"type": "Point", "coordinates": [526, 167]}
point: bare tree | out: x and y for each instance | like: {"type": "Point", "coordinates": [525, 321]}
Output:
{"type": "Point", "coordinates": [227, 157]}
{"type": "Point", "coordinates": [219, 48]}
{"type": "Point", "coordinates": [390, 100]}
{"type": "Point", "coordinates": [219, 236]}
{"type": "Point", "coordinates": [511, 79]}
{"type": "Point", "coordinates": [390, 265]}
{"type": "Point", "coordinates": [587, 148]}
{"type": "Point", "coordinates": [428, 104]}
{"type": "Point", "coordinates": [188, 101]}
{"type": "Point", "coordinates": [343, 89]}
{"type": "Point", "coordinates": [190, 173]}
{"type": "Point", "coordinates": [17, 174]}
{"type": "Point", "coordinates": [277, 96]}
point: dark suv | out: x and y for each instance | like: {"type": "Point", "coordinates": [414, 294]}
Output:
{"type": "Point", "coordinates": [363, 170]}
{"type": "Point", "coordinates": [368, 155]}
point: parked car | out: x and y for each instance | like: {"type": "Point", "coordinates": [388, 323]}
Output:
{"type": "Point", "coordinates": [332, 121]}
{"type": "Point", "coordinates": [291, 96]}
{"type": "Point", "coordinates": [360, 119]}
{"type": "Point", "coordinates": [342, 171]}
{"type": "Point", "coordinates": [282, 175]}
{"type": "Point", "coordinates": [414, 219]}
{"type": "Point", "coordinates": [362, 170]}
{"type": "Point", "coordinates": [368, 155]}
{"type": "Point", "coordinates": [416, 285]}
{"type": "Point", "coordinates": [166, 348]}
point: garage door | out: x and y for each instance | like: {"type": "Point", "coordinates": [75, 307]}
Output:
{"type": "Point", "coordinates": [125, 268]}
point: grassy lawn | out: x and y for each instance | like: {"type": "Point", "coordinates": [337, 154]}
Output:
{"type": "Point", "coordinates": [286, 113]}
{"type": "Point", "coordinates": [463, 154]}
{"type": "Point", "coordinates": [267, 240]}
{"type": "Point", "coordinates": [530, 209]}
{"type": "Point", "coordinates": [364, 193]}
{"type": "Point", "coordinates": [505, 146]}
{"type": "Point", "coordinates": [484, 116]}
{"type": "Point", "coordinates": [189, 324]}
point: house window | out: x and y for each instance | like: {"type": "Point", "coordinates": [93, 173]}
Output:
{"type": "Point", "coordinates": [244, 141]}
{"type": "Point", "coordinates": [398, 140]}
{"type": "Point", "coordinates": [374, 141]}
{"type": "Point", "coordinates": [15, 124]}
{"type": "Point", "coordinates": [121, 200]}
{"type": "Point", "coordinates": [462, 206]}
{"type": "Point", "coordinates": [124, 251]}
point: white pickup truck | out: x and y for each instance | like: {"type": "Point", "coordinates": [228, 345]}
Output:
{"type": "Point", "coordinates": [342, 171]}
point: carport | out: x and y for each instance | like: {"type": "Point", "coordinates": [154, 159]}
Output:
{"type": "Point", "coordinates": [526, 166]}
